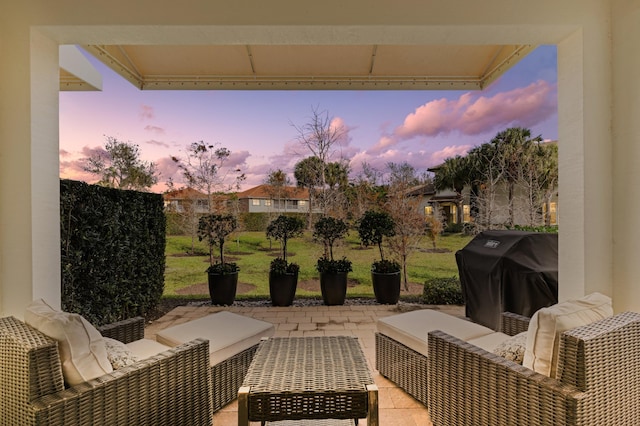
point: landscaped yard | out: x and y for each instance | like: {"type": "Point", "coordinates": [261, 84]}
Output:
{"type": "Point", "coordinates": [185, 274]}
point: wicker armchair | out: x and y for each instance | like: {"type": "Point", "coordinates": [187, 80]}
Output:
{"type": "Point", "coordinates": [171, 388]}
{"type": "Point", "coordinates": [598, 379]}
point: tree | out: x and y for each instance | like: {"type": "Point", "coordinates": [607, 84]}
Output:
{"type": "Point", "coordinates": [405, 213]}
{"type": "Point", "coordinates": [214, 228]}
{"type": "Point", "coordinates": [119, 166]}
{"type": "Point", "coordinates": [308, 174]}
{"type": "Point", "coordinates": [363, 193]}
{"type": "Point", "coordinates": [203, 169]}
{"type": "Point", "coordinates": [486, 171]}
{"type": "Point", "coordinates": [548, 178]}
{"type": "Point", "coordinates": [284, 228]}
{"type": "Point", "coordinates": [278, 182]}
{"type": "Point", "coordinates": [515, 148]}
{"type": "Point", "coordinates": [433, 228]}
{"type": "Point", "coordinates": [320, 136]}
{"type": "Point", "coordinates": [373, 226]}
{"type": "Point", "coordinates": [335, 194]}
{"type": "Point", "coordinates": [453, 174]}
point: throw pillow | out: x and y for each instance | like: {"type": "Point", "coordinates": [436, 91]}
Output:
{"type": "Point", "coordinates": [547, 324]}
{"type": "Point", "coordinates": [82, 349]}
{"type": "Point", "coordinates": [513, 348]}
{"type": "Point", "coordinates": [118, 353]}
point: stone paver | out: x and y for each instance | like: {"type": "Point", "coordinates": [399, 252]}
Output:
{"type": "Point", "coordinates": [396, 407]}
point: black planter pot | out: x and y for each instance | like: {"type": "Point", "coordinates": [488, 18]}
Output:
{"type": "Point", "coordinates": [282, 288]}
{"type": "Point", "coordinates": [222, 288]}
{"type": "Point", "coordinates": [333, 286]}
{"type": "Point", "coordinates": [386, 287]}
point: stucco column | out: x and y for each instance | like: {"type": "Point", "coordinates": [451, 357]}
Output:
{"type": "Point", "coordinates": [626, 158]}
{"type": "Point", "coordinates": [585, 165]}
{"type": "Point", "coordinates": [29, 175]}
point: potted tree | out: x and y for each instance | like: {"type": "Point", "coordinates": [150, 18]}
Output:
{"type": "Point", "coordinates": [333, 273]}
{"type": "Point", "coordinates": [283, 276]}
{"type": "Point", "coordinates": [385, 273]}
{"type": "Point", "coordinates": [223, 276]}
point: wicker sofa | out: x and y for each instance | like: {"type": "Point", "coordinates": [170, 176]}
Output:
{"type": "Point", "coordinates": [170, 388]}
{"type": "Point", "coordinates": [598, 379]}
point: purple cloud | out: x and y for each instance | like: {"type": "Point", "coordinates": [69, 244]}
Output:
{"type": "Point", "coordinates": [473, 115]}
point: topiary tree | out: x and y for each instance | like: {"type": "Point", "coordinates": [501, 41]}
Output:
{"type": "Point", "coordinates": [282, 229]}
{"type": "Point", "coordinates": [328, 230]}
{"type": "Point", "coordinates": [214, 228]}
{"type": "Point", "coordinates": [373, 226]}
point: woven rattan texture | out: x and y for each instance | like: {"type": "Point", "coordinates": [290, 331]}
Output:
{"type": "Point", "coordinates": [325, 422]}
{"type": "Point", "coordinates": [599, 381]}
{"type": "Point", "coordinates": [171, 388]}
{"type": "Point", "coordinates": [513, 324]}
{"type": "Point", "coordinates": [308, 378]}
{"type": "Point", "coordinates": [228, 375]}
{"type": "Point", "coordinates": [403, 366]}
{"type": "Point", "coordinates": [126, 331]}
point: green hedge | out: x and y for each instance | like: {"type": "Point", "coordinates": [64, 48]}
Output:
{"type": "Point", "coordinates": [112, 248]}
{"type": "Point", "coordinates": [443, 291]}
{"type": "Point", "coordinates": [254, 221]}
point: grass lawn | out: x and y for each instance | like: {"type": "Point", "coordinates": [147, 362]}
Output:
{"type": "Point", "coordinates": [253, 252]}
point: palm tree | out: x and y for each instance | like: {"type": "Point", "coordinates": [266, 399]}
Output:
{"type": "Point", "coordinates": [485, 172]}
{"type": "Point", "coordinates": [515, 147]}
{"type": "Point", "coordinates": [308, 173]}
{"type": "Point", "coordinates": [453, 174]}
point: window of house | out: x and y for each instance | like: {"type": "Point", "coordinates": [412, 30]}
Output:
{"type": "Point", "coordinates": [255, 202]}
{"type": "Point", "coordinates": [302, 203]}
{"type": "Point", "coordinates": [553, 216]}
{"type": "Point", "coordinates": [466, 213]}
{"type": "Point", "coordinates": [267, 202]}
{"type": "Point", "coordinates": [428, 211]}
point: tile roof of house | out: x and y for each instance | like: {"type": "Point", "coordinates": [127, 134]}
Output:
{"type": "Point", "coordinates": [268, 191]}
{"type": "Point", "coordinates": [183, 193]}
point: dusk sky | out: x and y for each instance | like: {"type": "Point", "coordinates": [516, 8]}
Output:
{"type": "Point", "coordinates": [419, 127]}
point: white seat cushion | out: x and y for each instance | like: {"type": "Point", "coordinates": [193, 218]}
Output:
{"type": "Point", "coordinates": [228, 334]}
{"type": "Point", "coordinates": [82, 349]}
{"type": "Point", "coordinates": [490, 341]}
{"type": "Point", "coordinates": [411, 328]}
{"type": "Point", "coordinates": [547, 324]}
{"type": "Point", "coordinates": [146, 348]}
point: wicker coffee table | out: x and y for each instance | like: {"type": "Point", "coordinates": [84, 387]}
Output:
{"type": "Point", "coordinates": [297, 378]}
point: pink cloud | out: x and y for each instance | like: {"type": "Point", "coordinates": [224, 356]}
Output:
{"type": "Point", "coordinates": [158, 143]}
{"type": "Point", "coordinates": [146, 112]}
{"type": "Point", "coordinates": [154, 129]}
{"type": "Point", "coordinates": [448, 152]}
{"type": "Point", "coordinates": [385, 142]}
{"type": "Point", "coordinates": [472, 115]}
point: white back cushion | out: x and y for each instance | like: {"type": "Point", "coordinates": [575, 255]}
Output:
{"type": "Point", "coordinates": [82, 349]}
{"type": "Point", "coordinates": [547, 324]}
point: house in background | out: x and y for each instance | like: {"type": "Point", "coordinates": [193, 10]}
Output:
{"type": "Point", "coordinates": [447, 204]}
{"type": "Point", "coordinates": [184, 200]}
{"type": "Point", "coordinates": [270, 199]}
{"type": "Point", "coordinates": [193, 201]}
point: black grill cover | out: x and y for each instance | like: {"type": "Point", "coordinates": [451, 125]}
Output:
{"type": "Point", "coordinates": [514, 271]}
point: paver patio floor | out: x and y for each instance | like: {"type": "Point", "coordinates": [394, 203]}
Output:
{"type": "Point", "coordinates": [395, 406]}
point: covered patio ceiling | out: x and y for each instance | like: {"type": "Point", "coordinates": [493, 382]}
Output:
{"type": "Point", "coordinates": [303, 67]}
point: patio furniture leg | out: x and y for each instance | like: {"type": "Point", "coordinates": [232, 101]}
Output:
{"type": "Point", "coordinates": [243, 406]}
{"type": "Point", "coordinates": [372, 412]}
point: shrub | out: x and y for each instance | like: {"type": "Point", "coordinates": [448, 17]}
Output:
{"type": "Point", "coordinates": [112, 245]}
{"type": "Point", "coordinates": [453, 228]}
{"type": "Point", "coordinates": [443, 291]}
